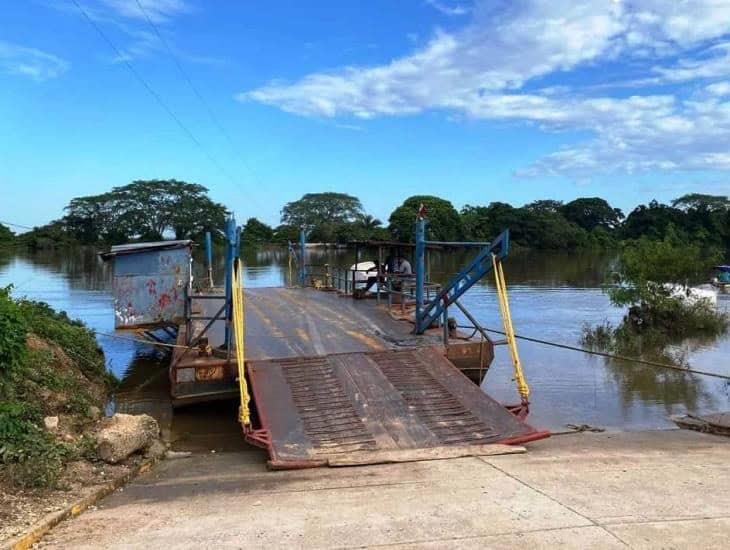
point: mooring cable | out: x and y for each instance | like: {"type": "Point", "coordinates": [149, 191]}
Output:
{"type": "Point", "coordinates": [610, 355]}
{"type": "Point", "coordinates": [140, 340]}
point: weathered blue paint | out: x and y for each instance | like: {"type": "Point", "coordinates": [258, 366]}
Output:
{"type": "Point", "coordinates": [463, 281]}
{"type": "Point", "coordinates": [231, 255]}
{"type": "Point", "coordinates": [208, 248]}
{"type": "Point", "coordinates": [150, 286]}
{"type": "Point", "coordinates": [302, 257]}
{"type": "Point", "coordinates": [420, 270]}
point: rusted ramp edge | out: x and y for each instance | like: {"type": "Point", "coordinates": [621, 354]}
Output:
{"type": "Point", "coordinates": [416, 455]}
{"type": "Point", "coordinates": [348, 408]}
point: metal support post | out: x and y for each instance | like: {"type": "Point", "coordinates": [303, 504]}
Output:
{"type": "Point", "coordinates": [302, 263]}
{"type": "Point", "coordinates": [445, 323]}
{"type": "Point", "coordinates": [231, 254]}
{"type": "Point", "coordinates": [209, 257]}
{"type": "Point", "coordinates": [420, 270]}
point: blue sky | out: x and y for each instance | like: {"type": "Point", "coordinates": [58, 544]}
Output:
{"type": "Point", "coordinates": [473, 101]}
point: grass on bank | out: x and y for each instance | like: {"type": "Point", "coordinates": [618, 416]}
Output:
{"type": "Point", "coordinates": [49, 365]}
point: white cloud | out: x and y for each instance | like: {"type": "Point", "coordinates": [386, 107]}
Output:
{"type": "Point", "coordinates": [719, 88]}
{"type": "Point", "coordinates": [30, 62]}
{"type": "Point", "coordinates": [448, 9]}
{"type": "Point", "coordinates": [484, 70]}
{"type": "Point", "coordinates": [711, 63]}
{"type": "Point", "coordinates": [128, 18]}
{"type": "Point", "coordinates": [642, 133]}
{"type": "Point", "coordinates": [157, 10]}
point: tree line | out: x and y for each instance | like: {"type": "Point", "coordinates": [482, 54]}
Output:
{"type": "Point", "coordinates": [541, 224]}
{"type": "Point", "coordinates": [158, 209]}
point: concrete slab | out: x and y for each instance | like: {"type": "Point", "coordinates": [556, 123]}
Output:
{"type": "Point", "coordinates": [675, 469]}
{"type": "Point", "coordinates": [666, 535]}
{"type": "Point", "coordinates": [648, 490]}
{"type": "Point", "coordinates": [575, 538]}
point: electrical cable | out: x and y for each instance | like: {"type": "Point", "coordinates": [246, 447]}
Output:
{"type": "Point", "coordinates": [152, 92]}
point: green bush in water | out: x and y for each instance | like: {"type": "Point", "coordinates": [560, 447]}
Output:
{"type": "Point", "coordinates": [650, 274]}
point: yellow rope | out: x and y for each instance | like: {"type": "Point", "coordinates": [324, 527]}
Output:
{"type": "Point", "coordinates": [239, 328]}
{"type": "Point", "coordinates": [503, 300]}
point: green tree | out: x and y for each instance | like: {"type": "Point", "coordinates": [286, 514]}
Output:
{"type": "Point", "coordinates": [369, 223]}
{"type": "Point", "coordinates": [145, 210]}
{"type": "Point", "coordinates": [444, 223]}
{"type": "Point", "coordinates": [257, 232]}
{"type": "Point", "coordinates": [314, 209]}
{"type": "Point", "coordinates": [591, 212]}
{"type": "Point", "coordinates": [53, 235]}
{"type": "Point", "coordinates": [7, 237]}
{"type": "Point", "coordinates": [545, 206]}
{"type": "Point", "coordinates": [482, 223]}
{"type": "Point", "coordinates": [284, 234]}
{"type": "Point", "coordinates": [536, 225]}
{"type": "Point", "coordinates": [699, 201]}
{"type": "Point", "coordinates": [654, 221]}
{"type": "Point", "coordinates": [707, 217]}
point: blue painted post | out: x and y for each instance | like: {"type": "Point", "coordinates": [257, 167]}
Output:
{"type": "Point", "coordinates": [230, 257]}
{"type": "Point", "coordinates": [302, 258]}
{"type": "Point", "coordinates": [420, 270]}
{"type": "Point", "coordinates": [209, 257]}
{"type": "Point", "coordinates": [445, 325]}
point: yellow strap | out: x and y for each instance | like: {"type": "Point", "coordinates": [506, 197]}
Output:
{"type": "Point", "coordinates": [503, 300]}
{"type": "Point", "coordinates": [239, 328]}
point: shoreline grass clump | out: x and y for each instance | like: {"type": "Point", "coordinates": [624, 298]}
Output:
{"type": "Point", "coordinates": [49, 365]}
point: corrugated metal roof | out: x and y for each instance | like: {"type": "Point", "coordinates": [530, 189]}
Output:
{"type": "Point", "coordinates": [134, 248]}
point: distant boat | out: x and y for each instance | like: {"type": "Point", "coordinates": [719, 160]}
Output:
{"type": "Point", "coordinates": [722, 277]}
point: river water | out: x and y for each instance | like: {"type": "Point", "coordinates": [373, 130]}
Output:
{"type": "Point", "coordinates": [553, 295]}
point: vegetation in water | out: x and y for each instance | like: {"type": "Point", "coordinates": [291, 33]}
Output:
{"type": "Point", "coordinates": [654, 279]}
{"type": "Point", "coordinates": [49, 365]}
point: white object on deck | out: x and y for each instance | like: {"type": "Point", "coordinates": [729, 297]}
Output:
{"type": "Point", "coordinates": [363, 270]}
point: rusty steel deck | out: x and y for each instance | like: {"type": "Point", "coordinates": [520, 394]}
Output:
{"type": "Point", "coordinates": [285, 323]}
{"type": "Point", "coordinates": [316, 410]}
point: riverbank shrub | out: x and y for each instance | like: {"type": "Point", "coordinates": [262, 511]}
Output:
{"type": "Point", "coordinates": [7, 237]}
{"type": "Point", "coordinates": [653, 279]}
{"type": "Point", "coordinates": [12, 335]}
{"type": "Point", "coordinates": [49, 365]}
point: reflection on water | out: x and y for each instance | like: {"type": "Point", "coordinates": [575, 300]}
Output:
{"type": "Point", "coordinates": [552, 296]}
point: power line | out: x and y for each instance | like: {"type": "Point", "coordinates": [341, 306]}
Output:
{"type": "Point", "coordinates": [151, 90]}
{"type": "Point", "coordinates": [211, 114]}
{"type": "Point", "coordinates": [16, 225]}
{"type": "Point", "coordinates": [613, 356]}
{"type": "Point", "coordinates": [185, 75]}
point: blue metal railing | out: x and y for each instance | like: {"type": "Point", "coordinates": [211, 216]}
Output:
{"type": "Point", "coordinates": [481, 265]}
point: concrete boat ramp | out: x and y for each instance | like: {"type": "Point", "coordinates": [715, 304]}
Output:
{"type": "Point", "coordinates": [662, 489]}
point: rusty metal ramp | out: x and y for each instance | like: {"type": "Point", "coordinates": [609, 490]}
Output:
{"type": "Point", "coordinates": [344, 409]}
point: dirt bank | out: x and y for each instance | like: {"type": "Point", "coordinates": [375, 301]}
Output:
{"type": "Point", "coordinates": [53, 390]}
